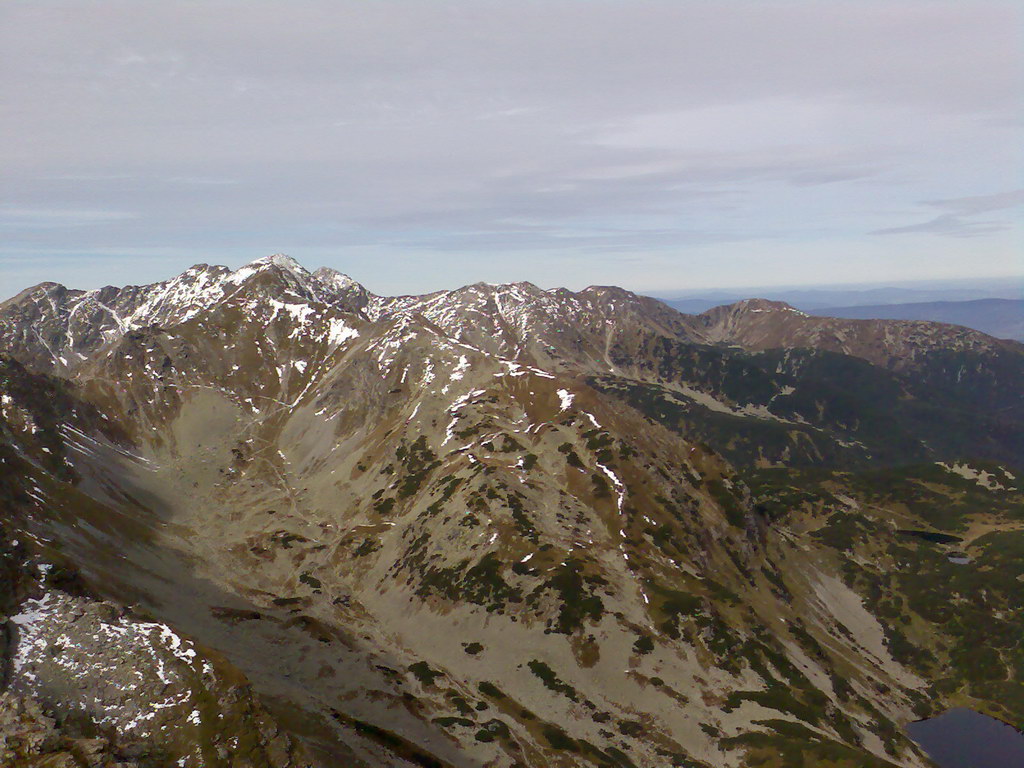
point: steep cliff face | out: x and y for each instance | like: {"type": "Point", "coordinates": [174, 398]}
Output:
{"type": "Point", "coordinates": [499, 525]}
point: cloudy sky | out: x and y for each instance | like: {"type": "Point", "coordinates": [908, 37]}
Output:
{"type": "Point", "coordinates": [420, 145]}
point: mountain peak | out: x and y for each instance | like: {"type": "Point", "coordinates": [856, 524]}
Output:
{"type": "Point", "coordinates": [335, 279]}
{"type": "Point", "coordinates": [32, 292]}
{"type": "Point", "coordinates": [279, 260]}
{"type": "Point", "coordinates": [339, 289]}
{"type": "Point", "coordinates": [764, 305]}
{"type": "Point", "coordinates": [287, 274]}
{"type": "Point", "coordinates": [489, 288]}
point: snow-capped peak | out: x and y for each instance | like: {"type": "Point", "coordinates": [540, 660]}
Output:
{"type": "Point", "coordinates": [283, 261]}
{"type": "Point", "coordinates": [336, 280]}
{"type": "Point", "coordinates": [279, 260]}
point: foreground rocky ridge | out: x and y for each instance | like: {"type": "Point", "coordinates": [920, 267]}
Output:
{"type": "Point", "coordinates": [507, 526]}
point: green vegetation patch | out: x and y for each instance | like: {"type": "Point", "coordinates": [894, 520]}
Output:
{"type": "Point", "coordinates": [424, 673]}
{"type": "Point", "coordinates": [418, 461]}
{"type": "Point", "coordinates": [576, 592]}
{"type": "Point", "coordinates": [551, 680]}
{"type": "Point", "coordinates": [792, 745]}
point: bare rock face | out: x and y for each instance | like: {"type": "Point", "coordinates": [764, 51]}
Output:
{"type": "Point", "coordinates": [89, 682]}
{"type": "Point", "coordinates": [29, 737]}
{"type": "Point", "coordinates": [494, 526]}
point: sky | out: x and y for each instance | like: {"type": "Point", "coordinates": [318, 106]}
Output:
{"type": "Point", "coordinates": [660, 146]}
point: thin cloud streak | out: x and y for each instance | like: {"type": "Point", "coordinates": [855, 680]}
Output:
{"type": "Point", "coordinates": [958, 222]}
{"type": "Point", "coordinates": [57, 217]}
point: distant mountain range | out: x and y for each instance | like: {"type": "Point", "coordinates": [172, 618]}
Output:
{"type": "Point", "coordinates": [999, 317]}
{"type": "Point", "coordinates": [264, 517]}
{"type": "Point", "coordinates": [1002, 318]}
{"type": "Point", "coordinates": [816, 299]}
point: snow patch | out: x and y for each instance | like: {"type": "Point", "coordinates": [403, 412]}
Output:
{"type": "Point", "coordinates": [983, 478]}
{"type": "Point", "coordinates": [565, 397]}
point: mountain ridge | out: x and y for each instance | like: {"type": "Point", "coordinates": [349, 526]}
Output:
{"type": "Point", "coordinates": [202, 286]}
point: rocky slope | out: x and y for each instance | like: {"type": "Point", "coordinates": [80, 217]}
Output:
{"type": "Point", "coordinates": [87, 682]}
{"type": "Point", "coordinates": [504, 526]}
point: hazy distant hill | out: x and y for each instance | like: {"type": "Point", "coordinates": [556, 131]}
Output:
{"type": "Point", "coordinates": [821, 300]}
{"type": "Point", "coordinates": [1002, 318]}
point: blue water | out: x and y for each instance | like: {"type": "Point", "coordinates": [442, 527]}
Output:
{"type": "Point", "coordinates": [963, 738]}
